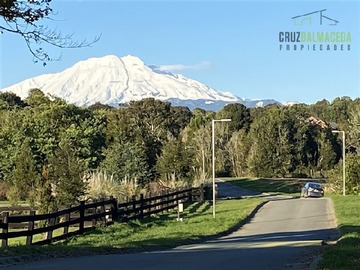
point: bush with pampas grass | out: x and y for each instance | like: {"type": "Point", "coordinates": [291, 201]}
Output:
{"type": "Point", "coordinates": [101, 185]}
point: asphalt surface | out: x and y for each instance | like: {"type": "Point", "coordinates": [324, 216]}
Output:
{"type": "Point", "coordinates": [227, 190]}
{"type": "Point", "coordinates": [284, 234]}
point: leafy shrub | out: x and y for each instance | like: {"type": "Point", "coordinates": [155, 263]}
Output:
{"type": "Point", "coordinates": [352, 175]}
{"type": "Point", "coordinates": [3, 190]}
{"type": "Point", "coordinates": [13, 194]}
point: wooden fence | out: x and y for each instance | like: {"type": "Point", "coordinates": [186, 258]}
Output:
{"type": "Point", "coordinates": [86, 216]}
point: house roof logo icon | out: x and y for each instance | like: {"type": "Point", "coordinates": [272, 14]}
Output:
{"type": "Point", "coordinates": [315, 16]}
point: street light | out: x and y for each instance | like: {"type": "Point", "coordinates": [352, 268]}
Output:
{"type": "Point", "coordinates": [343, 155]}
{"type": "Point", "coordinates": [213, 157]}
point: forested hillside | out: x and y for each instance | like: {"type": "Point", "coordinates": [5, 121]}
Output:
{"type": "Point", "coordinates": [53, 153]}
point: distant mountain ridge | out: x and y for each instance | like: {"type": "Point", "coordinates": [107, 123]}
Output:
{"type": "Point", "coordinates": [113, 80]}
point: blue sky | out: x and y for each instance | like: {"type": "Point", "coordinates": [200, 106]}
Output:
{"type": "Point", "coordinates": [228, 45]}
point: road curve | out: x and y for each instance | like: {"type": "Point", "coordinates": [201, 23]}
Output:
{"type": "Point", "coordinates": [284, 234]}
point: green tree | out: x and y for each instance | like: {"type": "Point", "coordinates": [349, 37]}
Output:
{"type": "Point", "coordinates": [198, 142]}
{"type": "Point", "coordinates": [328, 151]}
{"type": "Point", "coordinates": [66, 174]}
{"type": "Point", "coordinates": [180, 119]}
{"type": "Point", "coordinates": [126, 160]}
{"type": "Point", "coordinates": [11, 101]}
{"type": "Point", "coordinates": [238, 149]}
{"type": "Point", "coordinates": [149, 123]}
{"type": "Point", "coordinates": [11, 138]}
{"type": "Point", "coordinates": [239, 115]}
{"type": "Point", "coordinates": [99, 106]}
{"type": "Point", "coordinates": [354, 133]}
{"type": "Point", "coordinates": [271, 152]}
{"type": "Point", "coordinates": [86, 136]}
{"type": "Point", "coordinates": [44, 193]}
{"type": "Point", "coordinates": [352, 176]}
{"type": "Point", "coordinates": [25, 174]}
{"type": "Point", "coordinates": [306, 148]}
{"type": "Point", "coordinates": [321, 109]}
{"type": "Point", "coordinates": [44, 126]}
{"type": "Point", "coordinates": [36, 98]}
{"type": "Point", "coordinates": [340, 112]}
{"type": "Point", "coordinates": [201, 118]}
{"type": "Point", "coordinates": [150, 118]}
{"type": "Point", "coordinates": [175, 163]}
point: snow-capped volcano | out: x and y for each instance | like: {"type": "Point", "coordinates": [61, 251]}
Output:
{"type": "Point", "coordinates": [112, 80]}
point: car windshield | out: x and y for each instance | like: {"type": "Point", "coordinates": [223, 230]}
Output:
{"type": "Point", "coordinates": [314, 185]}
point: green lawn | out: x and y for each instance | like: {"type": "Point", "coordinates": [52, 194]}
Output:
{"type": "Point", "coordinates": [281, 186]}
{"type": "Point", "coordinates": [158, 232]}
{"type": "Point", "coordinates": [346, 253]}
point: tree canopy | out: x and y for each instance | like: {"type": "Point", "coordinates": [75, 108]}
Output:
{"type": "Point", "coordinates": [48, 147]}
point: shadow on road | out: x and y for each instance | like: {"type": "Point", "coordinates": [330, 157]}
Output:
{"type": "Point", "coordinates": [323, 234]}
{"type": "Point", "coordinates": [295, 218]}
{"type": "Point", "coordinates": [226, 189]}
{"type": "Point", "coordinates": [270, 185]}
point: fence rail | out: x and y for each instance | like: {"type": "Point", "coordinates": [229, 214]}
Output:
{"type": "Point", "coordinates": [90, 214]}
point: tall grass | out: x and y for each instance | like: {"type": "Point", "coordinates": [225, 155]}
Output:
{"type": "Point", "coordinates": [200, 178]}
{"type": "Point", "coordinates": [102, 185]}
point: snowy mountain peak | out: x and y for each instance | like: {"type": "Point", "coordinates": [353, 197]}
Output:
{"type": "Point", "coordinates": [112, 80]}
{"type": "Point", "coordinates": [132, 60]}
{"type": "Point", "coordinates": [110, 61]}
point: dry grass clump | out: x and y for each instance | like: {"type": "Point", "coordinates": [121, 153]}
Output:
{"type": "Point", "coordinates": [101, 185]}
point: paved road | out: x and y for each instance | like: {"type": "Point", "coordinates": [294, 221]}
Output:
{"type": "Point", "coordinates": [228, 190]}
{"type": "Point", "coordinates": [284, 234]}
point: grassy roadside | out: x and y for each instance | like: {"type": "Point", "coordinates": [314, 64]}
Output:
{"type": "Point", "coordinates": [345, 254]}
{"type": "Point", "coordinates": [273, 186]}
{"type": "Point", "coordinates": [158, 232]}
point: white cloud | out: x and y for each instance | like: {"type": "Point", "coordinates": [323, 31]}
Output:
{"type": "Point", "coordinates": [180, 67]}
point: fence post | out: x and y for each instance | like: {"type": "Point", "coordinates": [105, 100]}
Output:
{"type": "Point", "coordinates": [114, 209]}
{"type": "Point", "coordinates": [102, 211]}
{"type": "Point", "coordinates": [93, 222]}
{"type": "Point", "coordinates": [50, 232]}
{"type": "Point", "coordinates": [67, 218]}
{"type": "Point", "coordinates": [5, 230]}
{"type": "Point", "coordinates": [133, 199]}
{"type": "Point", "coordinates": [164, 200]}
{"type": "Point", "coordinates": [202, 197]}
{"type": "Point", "coordinates": [141, 206]}
{"type": "Point", "coordinates": [191, 195]}
{"type": "Point", "coordinates": [82, 217]}
{"type": "Point", "coordinates": [31, 227]}
{"type": "Point", "coordinates": [177, 197]}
